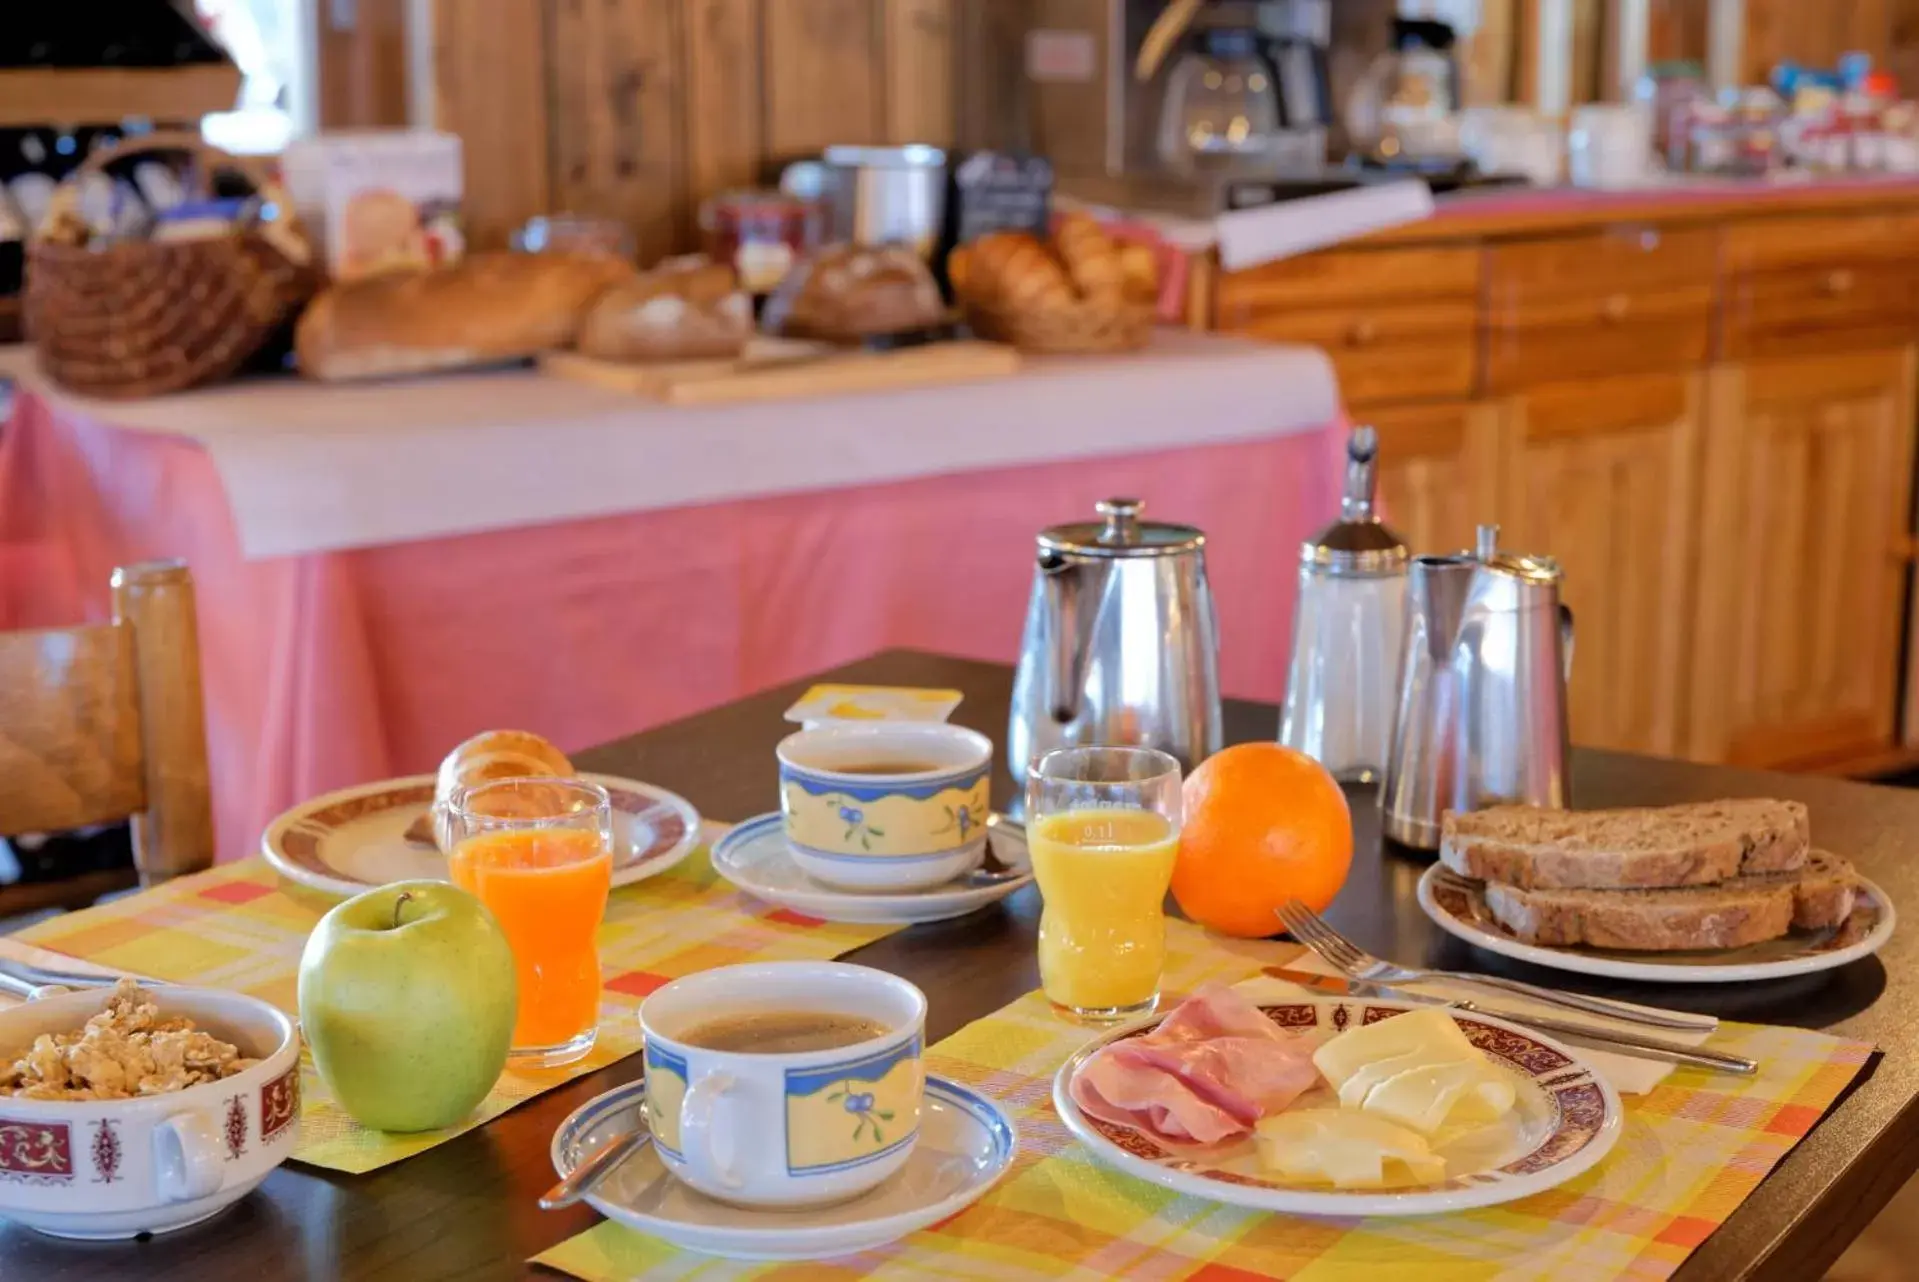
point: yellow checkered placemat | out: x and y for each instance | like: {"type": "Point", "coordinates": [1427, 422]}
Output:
{"type": "Point", "coordinates": [1692, 1150]}
{"type": "Point", "coordinates": [238, 927]}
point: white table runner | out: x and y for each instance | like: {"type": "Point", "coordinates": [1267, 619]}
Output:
{"type": "Point", "coordinates": [311, 468]}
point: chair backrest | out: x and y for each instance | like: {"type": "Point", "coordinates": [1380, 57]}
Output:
{"type": "Point", "coordinates": [106, 722]}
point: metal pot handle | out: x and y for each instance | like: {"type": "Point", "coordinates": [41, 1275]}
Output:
{"type": "Point", "coordinates": [1566, 641]}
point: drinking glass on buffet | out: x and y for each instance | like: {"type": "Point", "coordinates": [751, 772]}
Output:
{"type": "Point", "coordinates": [538, 852]}
{"type": "Point", "coordinates": [1103, 832]}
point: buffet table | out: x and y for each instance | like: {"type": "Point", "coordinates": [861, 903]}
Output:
{"type": "Point", "coordinates": [385, 569]}
{"type": "Point", "coordinates": [466, 1208]}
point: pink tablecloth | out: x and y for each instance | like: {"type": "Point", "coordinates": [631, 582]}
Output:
{"type": "Point", "coordinates": [329, 669]}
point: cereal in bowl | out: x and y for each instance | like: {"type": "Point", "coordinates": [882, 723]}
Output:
{"type": "Point", "coordinates": [125, 1051]}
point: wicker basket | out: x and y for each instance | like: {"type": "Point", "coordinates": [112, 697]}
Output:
{"type": "Point", "coordinates": [1079, 329]}
{"type": "Point", "coordinates": [138, 318]}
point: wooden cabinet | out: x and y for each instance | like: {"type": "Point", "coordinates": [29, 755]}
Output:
{"type": "Point", "coordinates": [1600, 474]}
{"type": "Point", "coordinates": [1802, 559]}
{"type": "Point", "coordinates": [1399, 325]}
{"type": "Point", "coordinates": [1619, 301]}
{"type": "Point", "coordinates": [1708, 419]}
{"type": "Point", "coordinates": [1438, 471]}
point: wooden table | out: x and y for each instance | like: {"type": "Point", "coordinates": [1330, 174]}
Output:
{"type": "Point", "coordinates": [466, 1209]}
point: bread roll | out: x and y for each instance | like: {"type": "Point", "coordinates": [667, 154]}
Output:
{"type": "Point", "coordinates": [1091, 257]}
{"type": "Point", "coordinates": [684, 309]}
{"type": "Point", "coordinates": [495, 754]}
{"type": "Point", "coordinates": [847, 293]}
{"type": "Point", "coordinates": [491, 307]}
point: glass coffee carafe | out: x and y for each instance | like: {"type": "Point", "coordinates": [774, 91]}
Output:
{"type": "Point", "coordinates": [1221, 109]}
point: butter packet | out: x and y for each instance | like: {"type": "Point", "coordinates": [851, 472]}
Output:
{"type": "Point", "coordinates": [828, 703]}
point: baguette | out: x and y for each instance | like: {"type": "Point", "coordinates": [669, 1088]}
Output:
{"type": "Point", "coordinates": [1692, 845]}
{"type": "Point", "coordinates": [1732, 914]}
{"type": "Point", "coordinates": [491, 307]}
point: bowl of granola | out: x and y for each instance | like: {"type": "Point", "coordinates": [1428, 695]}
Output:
{"type": "Point", "coordinates": [135, 1110]}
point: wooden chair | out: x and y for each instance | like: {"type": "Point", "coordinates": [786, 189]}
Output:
{"type": "Point", "coordinates": [104, 723]}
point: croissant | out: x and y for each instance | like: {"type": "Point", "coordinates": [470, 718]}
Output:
{"type": "Point", "coordinates": [1092, 258]}
{"type": "Point", "coordinates": [1140, 265]}
{"type": "Point", "coordinates": [1014, 270]}
{"type": "Point", "coordinates": [494, 754]}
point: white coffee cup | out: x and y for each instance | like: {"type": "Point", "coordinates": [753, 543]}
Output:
{"type": "Point", "coordinates": [916, 821]}
{"type": "Point", "coordinates": [784, 1129]}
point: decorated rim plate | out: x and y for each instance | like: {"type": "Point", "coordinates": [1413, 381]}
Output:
{"type": "Point", "coordinates": [355, 839]}
{"type": "Point", "coordinates": [1567, 1119]}
{"type": "Point", "coordinates": [755, 857]}
{"type": "Point", "coordinates": [1457, 906]}
{"type": "Point", "coordinates": [966, 1143]}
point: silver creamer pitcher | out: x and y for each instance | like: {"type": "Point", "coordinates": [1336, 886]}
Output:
{"type": "Point", "coordinates": [1121, 643]}
{"type": "Point", "coordinates": [1481, 719]}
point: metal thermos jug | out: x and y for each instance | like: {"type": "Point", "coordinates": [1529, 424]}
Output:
{"type": "Point", "coordinates": [1481, 716]}
{"type": "Point", "coordinates": [1121, 644]}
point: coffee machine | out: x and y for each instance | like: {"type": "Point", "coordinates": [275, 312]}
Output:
{"type": "Point", "coordinates": [1193, 93]}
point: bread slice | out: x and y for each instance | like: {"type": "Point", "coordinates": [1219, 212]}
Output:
{"type": "Point", "coordinates": [1691, 845]}
{"type": "Point", "coordinates": [1733, 914]}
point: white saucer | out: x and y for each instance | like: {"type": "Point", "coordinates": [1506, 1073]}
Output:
{"type": "Point", "coordinates": [755, 857]}
{"type": "Point", "coordinates": [966, 1143]}
{"type": "Point", "coordinates": [1456, 907]}
{"type": "Point", "coordinates": [345, 842]}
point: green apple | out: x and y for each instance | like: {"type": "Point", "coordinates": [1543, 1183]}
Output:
{"type": "Point", "coordinates": [407, 999]}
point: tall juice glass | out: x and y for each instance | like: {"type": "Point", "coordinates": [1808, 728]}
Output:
{"type": "Point", "coordinates": [1103, 831]}
{"type": "Point", "coordinates": [538, 852]}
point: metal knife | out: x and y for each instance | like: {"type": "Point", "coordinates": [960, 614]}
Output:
{"type": "Point", "coordinates": [1586, 1034]}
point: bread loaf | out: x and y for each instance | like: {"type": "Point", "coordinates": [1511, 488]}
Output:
{"type": "Point", "coordinates": [491, 307]}
{"type": "Point", "coordinates": [1690, 845]}
{"type": "Point", "coordinates": [1729, 914]}
{"type": "Point", "coordinates": [684, 309]}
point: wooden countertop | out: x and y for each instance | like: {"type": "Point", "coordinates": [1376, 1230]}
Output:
{"type": "Point", "coordinates": [1536, 212]}
{"type": "Point", "coordinates": [466, 1209]}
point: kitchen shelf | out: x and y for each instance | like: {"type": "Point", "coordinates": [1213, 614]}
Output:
{"type": "Point", "coordinates": [107, 95]}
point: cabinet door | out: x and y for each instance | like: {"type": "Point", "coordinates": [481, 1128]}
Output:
{"type": "Point", "coordinates": [1601, 475]}
{"type": "Point", "coordinates": [1438, 471]}
{"type": "Point", "coordinates": [1807, 481]}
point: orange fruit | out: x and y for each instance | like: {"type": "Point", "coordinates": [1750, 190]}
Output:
{"type": "Point", "coordinates": [1263, 824]}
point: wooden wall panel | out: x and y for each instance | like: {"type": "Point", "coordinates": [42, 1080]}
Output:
{"type": "Point", "coordinates": [362, 58]}
{"type": "Point", "coordinates": [618, 142]}
{"type": "Point", "coordinates": [640, 109]}
{"type": "Point", "coordinates": [490, 87]}
{"type": "Point", "coordinates": [823, 75]}
{"type": "Point", "coordinates": [722, 85]}
{"type": "Point", "coordinates": [918, 61]}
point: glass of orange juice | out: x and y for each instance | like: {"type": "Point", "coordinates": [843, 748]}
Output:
{"type": "Point", "coordinates": [539, 853]}
{"type": "Point", "coordinates": [1103, 830]}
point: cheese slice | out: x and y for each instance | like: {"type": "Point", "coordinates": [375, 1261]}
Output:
{"type": "Point", "coordinates": [1417, 1070]}
{"type": "Point", "coordinates": [1346, 1150]}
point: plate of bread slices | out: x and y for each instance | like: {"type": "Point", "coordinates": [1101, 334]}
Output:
{"type": "Point", "coordinates": [352, 840]}
{"type": "Point", "coordinates": [1708, 892]}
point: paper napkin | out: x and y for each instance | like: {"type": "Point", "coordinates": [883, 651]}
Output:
{"type": "Point", "coordinates": [1629, 1074]}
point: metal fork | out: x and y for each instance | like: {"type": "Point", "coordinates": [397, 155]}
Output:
{"type": "Point", "coordinates": [1354, 962]}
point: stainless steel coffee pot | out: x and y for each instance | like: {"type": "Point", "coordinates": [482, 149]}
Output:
{"type": "Point", "coordinates": [1121, 644]}
{"type": "Point", "coordinates": [1481, 717]}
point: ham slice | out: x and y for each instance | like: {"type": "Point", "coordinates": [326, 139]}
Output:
{"type": "Point", "coordinates": [1206, 1075]}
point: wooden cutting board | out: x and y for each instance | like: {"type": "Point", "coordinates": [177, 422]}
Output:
{"type": "Point", "coordinates": [779, 369]}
